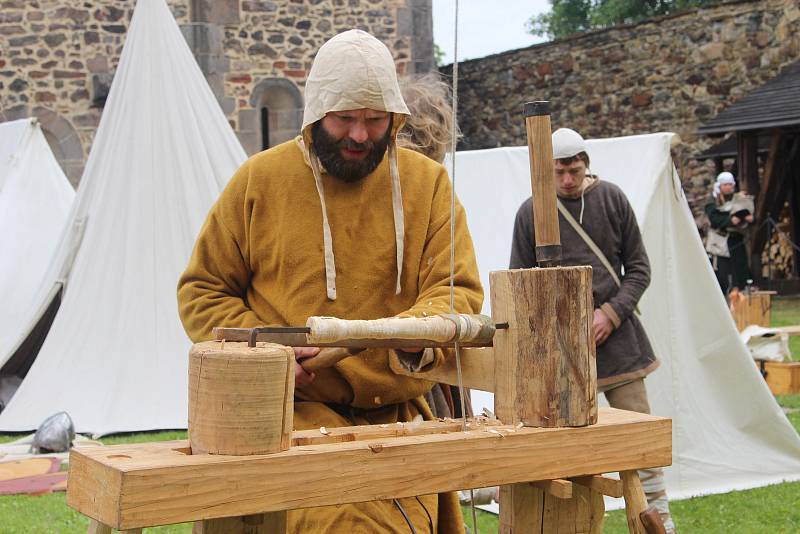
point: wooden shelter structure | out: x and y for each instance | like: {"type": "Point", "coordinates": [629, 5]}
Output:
{"type": "Point", "coordinates": [766, 123]}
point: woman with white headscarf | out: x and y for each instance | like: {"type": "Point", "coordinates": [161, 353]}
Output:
{"type": "Point", "coordinates": [730, 214]}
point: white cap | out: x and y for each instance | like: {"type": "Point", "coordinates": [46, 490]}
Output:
{"type": "Point", "coordinates": [567, 143]}
{"type": "Point", "coordinates": [725, 178]}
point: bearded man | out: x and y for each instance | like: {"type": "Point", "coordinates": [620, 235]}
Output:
{"type": "Point", "coordinates": [340, 222]}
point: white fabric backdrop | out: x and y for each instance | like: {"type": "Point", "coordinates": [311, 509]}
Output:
{"type": "Point", "coordinates": [728, 431]}
{"type": "Point", "coordinates": [35, 200]}
{"type": "Point", "coordinates": [116, 356]}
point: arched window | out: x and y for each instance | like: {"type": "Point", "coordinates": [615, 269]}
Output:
{"type": "Point", "coordinates": [280, 110]}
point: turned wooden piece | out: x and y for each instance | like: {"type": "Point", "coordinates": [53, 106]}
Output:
{"type": "Point", "coordinates": [240, 403]}
{"type": "Point", "coordinates": [240, 398]}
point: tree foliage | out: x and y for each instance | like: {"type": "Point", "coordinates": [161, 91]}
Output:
{"type": "Point", "coordinates": [567, 17]}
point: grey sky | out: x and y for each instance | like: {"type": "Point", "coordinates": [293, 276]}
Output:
{"type": "Point", "coordinates": [484, 26]}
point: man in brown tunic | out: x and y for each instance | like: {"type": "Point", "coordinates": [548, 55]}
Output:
{"type": "Point", "coordinates": [601, 210]}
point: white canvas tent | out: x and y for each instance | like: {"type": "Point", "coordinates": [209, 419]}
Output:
{"type": "Point", "coordinates": [728, 431]}
{"type": "Point", "coordinates": [116, 355]}
{"type": "Point", "coordinates": [35, 200]}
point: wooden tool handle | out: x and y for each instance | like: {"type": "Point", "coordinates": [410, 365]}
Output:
{"type": "Point", "coordinates": [440, 328]}
{"type": "Point", "coordinates": [327, 357]}
{"type": "Point", "coordinates": [545, 212]}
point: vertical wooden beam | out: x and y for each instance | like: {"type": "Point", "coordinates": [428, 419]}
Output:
{"type": "Point", "coordinates": [747, 162]}
{"type": "Point", "coordinates": [794, 218]}
{"type": "Point", "coordinates": [96, 527]}
{"type": "Point", "coordinates": [525, 509]}
{"type": "Point", "coordinates": [545, 371]}
{"type": "Point", "coordinates": [241, 402]}
{"type": "Point", "coordinates": [271, 523]}
{"type": "Point", "coordinates": [635, 501]}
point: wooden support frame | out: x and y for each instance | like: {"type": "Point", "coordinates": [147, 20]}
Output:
{"type": "Point", "coordinates": [134, 486]}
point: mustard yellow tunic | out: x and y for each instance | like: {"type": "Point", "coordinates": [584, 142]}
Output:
{"type": "Point", "coordinates": [259, 261]}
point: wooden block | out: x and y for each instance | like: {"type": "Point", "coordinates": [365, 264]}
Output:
{"type": "Point", "coordinates": [138, 485]}
{"type": "Point", "coordinates": [635, 501]}
{"type": "Point", "coordinates": [477, 369]}
{"type": "Point", "coordinates": [604, 485]}
{"type": "Point", "coordinates": [559, 488]}
{"type": "Point", "coordinates": [783, 378]}
{"type": "Point", "coordinates": [240, 398]}
{"type": "Point", "coordinates": [752, 309]}
{"type": "Point", "coordinates": [545, 369]}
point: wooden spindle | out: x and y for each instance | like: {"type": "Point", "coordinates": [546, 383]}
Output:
{"type": "Point", "coordinates": [545, 212]}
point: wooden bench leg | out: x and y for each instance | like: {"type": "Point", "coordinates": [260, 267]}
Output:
{"type": "Point", "coordinates": [521, 509]}
{"type": "Point", "coordinates": [270, 523]}
{"type": "Point", "coordinates": [96, 527]}
{"type": "Point", "coordinates": [547, 508]}
{"type": "Point", "coordinates": [635, 501]}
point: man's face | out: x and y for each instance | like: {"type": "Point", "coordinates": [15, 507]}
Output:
{"type": "Point", "coordinates": [569, 178]}
{"type": "Point", "coordinates": [351, 144]}
{"type": "Point", "coordinates": [726, 189]}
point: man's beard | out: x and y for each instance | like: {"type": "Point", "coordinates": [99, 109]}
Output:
{"type": "Point", "coordinates": [328, 150]}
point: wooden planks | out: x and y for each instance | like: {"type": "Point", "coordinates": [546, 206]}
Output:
{"type": "Point", "coordinates": [131, 486]}
{"type": "Point", "coordinates": [545, 373]}
{"type": "Point", "coordinates": [477, 369]}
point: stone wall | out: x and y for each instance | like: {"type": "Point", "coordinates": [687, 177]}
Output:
{"type": "Point", "coordinates": [58, 58]}
{"type": "Point", "coordinates": [667, 74]}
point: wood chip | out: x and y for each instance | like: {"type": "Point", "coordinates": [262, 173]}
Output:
{"type": "Point", "coordinates": [323, 430]}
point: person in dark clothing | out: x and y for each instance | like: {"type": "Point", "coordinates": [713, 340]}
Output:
{"type": "Point", "coordinates": [605, 217]}
{"type": "Point", "coordinates": [730, 215]}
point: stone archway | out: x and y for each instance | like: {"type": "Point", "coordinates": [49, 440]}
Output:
{"type": "Point", "coordinates": [60, 134]}
{"type": "Point", "coordinates": [279, 108]}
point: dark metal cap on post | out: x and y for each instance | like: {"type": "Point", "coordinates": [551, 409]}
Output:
{"type": "Point", "coordinates": [534, 109]}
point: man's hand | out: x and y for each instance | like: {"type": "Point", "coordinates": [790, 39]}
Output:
{"type": "Point", "coordinates": [735, 220]}
{"type": "Point", "coordinates": [749, 218]}
{"type": "Point", "coordinates": [601, 327]}
{"type": "Point", "coordinates": [302, 377]}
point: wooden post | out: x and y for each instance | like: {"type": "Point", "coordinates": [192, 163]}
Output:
{"type": "Point", "coordinates": [543, 188]}
{"type": "Point", "coordinates": [241, 403]}
{"type": "Point", "coordinates": [545, 369]}
{"type": "Point", "coordinates": [635, 501]}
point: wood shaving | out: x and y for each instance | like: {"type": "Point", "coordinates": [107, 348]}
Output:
{"type": "Point", "coordinates": [324, 431]}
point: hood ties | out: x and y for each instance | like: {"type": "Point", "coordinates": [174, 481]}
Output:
{"type": "Point", "coordinates": [397, 211]}
{"type": "Point", "coordinates": [327, 241]}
